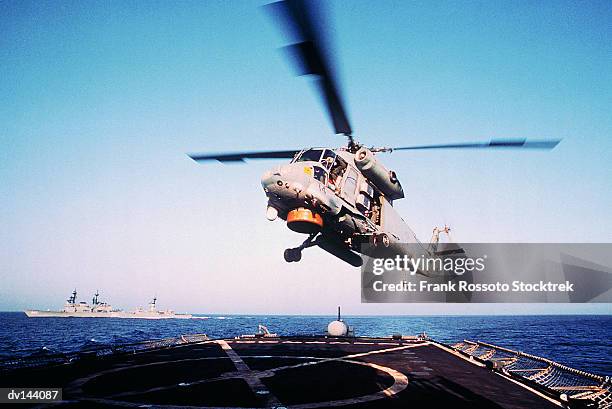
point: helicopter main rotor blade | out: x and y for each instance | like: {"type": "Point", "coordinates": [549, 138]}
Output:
{"type": "Point", "coordinates": [241, 156]}
{"type": "Point", "coordinates": [545, 144]}
{"type": "Point", "coordinates": [303, 22]}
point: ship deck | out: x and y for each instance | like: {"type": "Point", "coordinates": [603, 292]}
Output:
{"type": "Point", "coordinates": [293, 372]}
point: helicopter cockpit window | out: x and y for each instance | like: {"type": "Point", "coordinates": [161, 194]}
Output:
{"type": "Point", "coordinates": [320, 174]}
{"type": "Point", "coordinates": [328, 158]}
{"type": "Point", "coordinates": [336, 172]}
{"type": "Point", "coordinates": [313, 155]}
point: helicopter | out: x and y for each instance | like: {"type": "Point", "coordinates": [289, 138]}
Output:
{"type": "Point", "coordinates": [341, 198]}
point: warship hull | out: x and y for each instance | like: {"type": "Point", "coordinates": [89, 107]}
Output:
{"type": "Point", "coordinates": [111, 314]}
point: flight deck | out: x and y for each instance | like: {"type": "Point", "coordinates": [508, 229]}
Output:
{"type": "Point", "coordinates": [263, 371]}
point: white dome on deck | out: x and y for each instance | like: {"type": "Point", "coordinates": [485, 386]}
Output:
{"type": "Point", "coordinates": [337, 329]}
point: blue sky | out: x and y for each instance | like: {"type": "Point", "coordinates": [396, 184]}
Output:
{"type": "Point", "coordinates": [101, 101]}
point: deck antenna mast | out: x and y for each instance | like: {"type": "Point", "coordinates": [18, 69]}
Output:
{"type": "Point", "coordinates": [152, 303]}
{"type": "Point", "coordinates": [72, 298]}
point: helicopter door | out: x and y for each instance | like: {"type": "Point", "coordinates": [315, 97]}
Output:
{"type": "Point", "coordinates": [350, 185]}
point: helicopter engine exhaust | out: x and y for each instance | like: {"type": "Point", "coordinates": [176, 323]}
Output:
{"type": "Point", "coordinates": [385, 180]}
{"type": "Point", "coordinates": [304, 220]}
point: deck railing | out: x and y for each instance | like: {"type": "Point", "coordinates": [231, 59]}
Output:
{"type": "Point", "coordinates": [567, 384]}
{"type": "Point", "coordinates": [45, 359]}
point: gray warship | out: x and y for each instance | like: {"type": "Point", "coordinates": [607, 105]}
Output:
{"type": "Point", "coordinates": [99, 309]}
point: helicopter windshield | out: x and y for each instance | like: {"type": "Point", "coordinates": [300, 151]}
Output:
{"type": "Point", "coordinates": [320, 174]}
{"type": "Point", "coordinates": [328, 159]}
{"type": "Point", "coordinates": [311, 155]}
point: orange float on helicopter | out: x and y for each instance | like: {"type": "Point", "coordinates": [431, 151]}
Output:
{"type": "Point", "coordinates": [304, 220]}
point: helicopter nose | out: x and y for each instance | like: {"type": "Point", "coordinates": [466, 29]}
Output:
{"type": "Point", "coordinates": [284, 182]}
{"type": "Point", "coordinates": [266, 177]}
{"type": "Point", "coordinates": [271, 177]}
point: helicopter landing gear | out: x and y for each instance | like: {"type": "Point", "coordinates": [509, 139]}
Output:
{"type": "Point", "coordinates": [295, 254]}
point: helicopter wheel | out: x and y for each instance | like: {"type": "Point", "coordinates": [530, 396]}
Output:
{"type": "Point", "coordinates": [382, 240]}
{"type": "Point", "coordinates": [293, 255]}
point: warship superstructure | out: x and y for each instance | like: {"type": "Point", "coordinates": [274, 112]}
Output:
{"type": "Point", "coordinates": [99, 309]}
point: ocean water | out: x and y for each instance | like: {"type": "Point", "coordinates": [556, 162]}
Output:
{"type": "Point", "coordinates": [581, 342]}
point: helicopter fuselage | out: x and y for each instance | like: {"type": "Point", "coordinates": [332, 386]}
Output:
{"type": "Point", "coordinates": [327, 194]}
